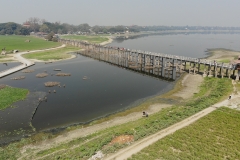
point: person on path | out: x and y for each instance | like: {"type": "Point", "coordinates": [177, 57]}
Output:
{"type": "Point", "coordinates": [229, 97]}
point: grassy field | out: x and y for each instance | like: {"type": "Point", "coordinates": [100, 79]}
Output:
{"type": "Point", "coordinates": [10, 95]}
{"type": "Point", "coordinates": [92, 39]}
{"type": "Point", "coordinates": [215, 136]}
{"type": "Point", "coordinates": [14, 42]}
{"type": "Point", "coordinates": [212, 90]}
{"type": "Point", "coordinates": [56, 54]}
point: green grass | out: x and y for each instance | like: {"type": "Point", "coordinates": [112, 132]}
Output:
{"type": "Point", "coordinates": [215, 136]}
{"type": "Point", "coordinates": [56, 54]}
{"type": "Point", "coordinates": [224, 60]}
{"type": "Point", "coordinates": [14, 42]}
{"type": "Point", "coordinates": [91, 39]}
{"type": "Point", "coordinates": [212, 90]}
{"type": "Point", "coordinates": [10, 95]}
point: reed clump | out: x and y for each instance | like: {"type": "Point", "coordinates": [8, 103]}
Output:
{"type": "Point", "coordinates": [18, 78]}
{"type": "Point", "coordinates": [41, 75]}
{"type": "Point", "coordinates": [28, 71]}
{"type": "Point", "coordinates": [51, 84]}
{"type": "Point", "coordinates": [63, 74]}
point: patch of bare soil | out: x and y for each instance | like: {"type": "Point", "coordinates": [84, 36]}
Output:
{"type": "Point", "coordinates": [190, 85]}
{"type": "Point", "coordinates": [122, 139]}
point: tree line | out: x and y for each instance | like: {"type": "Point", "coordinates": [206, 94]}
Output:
{"type": "Point", "coordinates": [41, 25]}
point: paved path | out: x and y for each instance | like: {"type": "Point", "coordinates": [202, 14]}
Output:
{"type": "Point", "coordinates": [25, 62]}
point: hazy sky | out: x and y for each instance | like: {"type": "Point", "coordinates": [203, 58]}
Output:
{"type": "Point", "coordinates": [126, 12]}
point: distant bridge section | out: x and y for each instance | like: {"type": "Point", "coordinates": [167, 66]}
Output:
{"type": "Point", "coordinates": [159, 65]}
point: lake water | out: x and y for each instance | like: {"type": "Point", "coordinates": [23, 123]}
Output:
{"type": "Point", "coordinates": [108, 89]}
{"type": "Point", "coordinates": [190, 45]}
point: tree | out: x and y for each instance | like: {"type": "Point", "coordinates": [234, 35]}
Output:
{"type": "Point", "coordinates": [23, 31]}
{"type": "Point", "coordinates": [34, 23]}
{"type": "Point", "coordinates": [50, 36]}
{"type": "Point", "coordinates": [84, 27]}
{"type": "Point", "coordinates": [44, 28]}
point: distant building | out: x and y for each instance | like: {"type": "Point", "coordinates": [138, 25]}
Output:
{"type": "Point", "coordinates": [26, 24]}
{"type": "Point", "coordinates": [41, 33]}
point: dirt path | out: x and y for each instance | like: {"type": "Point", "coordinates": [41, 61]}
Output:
{"type": "Point", "coordinates": [127, 152]}
{"type": "Point", "coordinates": [139, 145]}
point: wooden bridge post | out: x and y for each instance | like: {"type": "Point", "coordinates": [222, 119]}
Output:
{"type": "Point", "coordinates": [199, 66]}
{"type": "Point", "coordinates": [215, 69]}
{"type": "Point", "coordinates": [173, 69]}
{"type": "Point", "coordinates": [210, 70]}
{"type": "Point", "coordinates": [163, 66]}
{"type": "Point", "coordinates": [221, 70]}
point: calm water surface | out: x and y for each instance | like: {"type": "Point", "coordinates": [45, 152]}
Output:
{"type": "Point", "coordinates": [192, 45]}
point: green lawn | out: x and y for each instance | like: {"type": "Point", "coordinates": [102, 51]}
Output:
{"type": "Point", "coordinates": [14, 42]}
{"type": "Point", "coordinates": [56, 54]}
{"type": "Point", "coordinates": [215, 136]}
{"type": "Point", "coordinates": [224, 60]}
{"type": "Point", "coordinates": [91, 39]}
{"type": "Point", "coordinates": [9, 95]}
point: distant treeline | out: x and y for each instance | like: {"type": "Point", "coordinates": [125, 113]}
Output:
{"type": "Point", "coordinates": [37, 25]}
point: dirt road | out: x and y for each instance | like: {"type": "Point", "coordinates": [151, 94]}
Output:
{"type": "Point", "coordinates": [139, 145]}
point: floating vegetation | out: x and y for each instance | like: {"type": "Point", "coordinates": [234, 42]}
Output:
{"type": "Point", "coordinates": [57, 69]}
{"type": "Point", "coordinates": [63, 74]}
{"type": "Point", "coordinates": [48, 62]}
{"type": "Point", "coordinates": [51, 84]}
{"type": "Point", "coordinates": [28, 71]}
{"type": "Point", "coordinates": [18, 78]}
{"type": "Point", "coordinates": [2, 86]}
{"type": "Point", "coordinates": [41, 75]}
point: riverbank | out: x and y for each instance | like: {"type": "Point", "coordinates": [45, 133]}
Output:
{"type": "Point", "coordinates": [223, 55]}
{"type": "Point", "coordinates": [110, 39]}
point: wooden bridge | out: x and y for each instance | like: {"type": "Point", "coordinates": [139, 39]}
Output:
{"type": "Point", "coordinates": [155, 64]}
